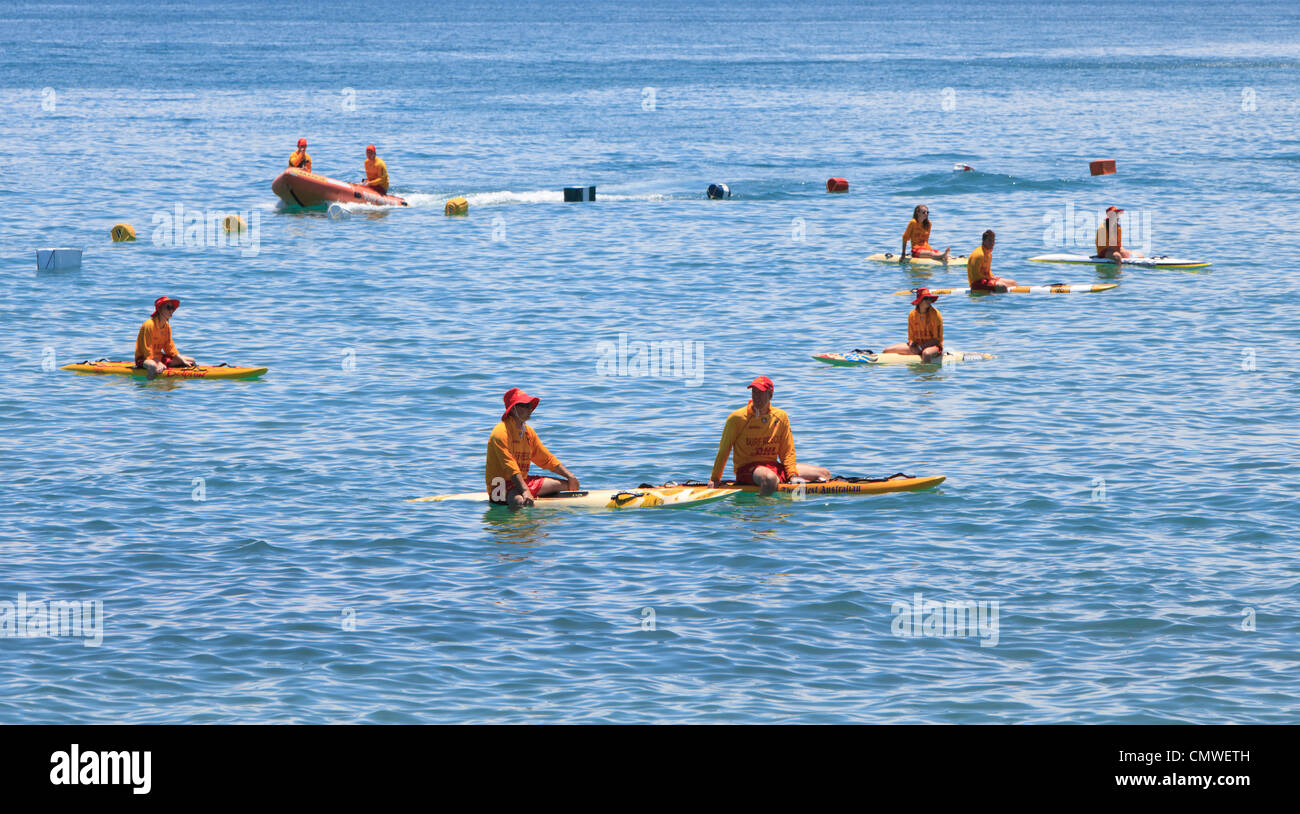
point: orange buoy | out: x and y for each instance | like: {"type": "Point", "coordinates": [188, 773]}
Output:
{"type": "Point", "coordinates": [1105, 166]}
{"type": "Point", "coordinates": [837, 185]}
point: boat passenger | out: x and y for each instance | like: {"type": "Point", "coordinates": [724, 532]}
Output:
{"type": "Point", "coordinates": [376, 172]}
{"type": "Point", "coordinates": [299, 158]}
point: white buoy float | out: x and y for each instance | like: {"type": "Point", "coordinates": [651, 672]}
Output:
{"type": "Point", "coordinates": [50, 259]}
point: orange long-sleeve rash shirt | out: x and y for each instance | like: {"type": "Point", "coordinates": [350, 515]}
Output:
{"type": "Point", "coordinates": [154, 341]}
{"type": "Point", "coordinates": [747, 438]}
{"type": "Point", "coordinates": [511, 453]}
{"type": "Point", "coordinates": [979, 266]}
{"type": "Point", "coordinates": [917, 234]}
{"type": "Point", "coordinates": [927, 328]}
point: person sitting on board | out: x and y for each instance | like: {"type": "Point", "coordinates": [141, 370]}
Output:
{"type": "Point", "coordinates": [759, 436]}
{"type": "Point", "coordinates": [979, 268]}
{"type": "Point", "coordinates": [1110, 237]}
{"type": "Point", "coordinates": [924, 329]}
{"type": "Point", "coordinates": [299, 158]}
{"type": "Point", "coordinates": [154, 349]}
{"type": "Point", "coordinates": [376, 172]}
{"type": "Point", "coordinates": [512, 448]}
{"type": "Point", "coordinates": [918, 234]}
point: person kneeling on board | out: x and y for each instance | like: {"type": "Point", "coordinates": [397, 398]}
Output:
{"type": "Point", "coordinates": [979, 268]}
{"type": "Point", "coordinates": [376, 172]}
{"type": "Point", "coordinates": [918, 234]}
{"type": "Point", "coordinates": [299, 158]}
{"type": "Point", "coordinates": [924, 329]}
{"type": "Point", "coordinates": [1110, 237]}
{"type": "Point", "coordinates": [154, 349]}
{"type": "Point", "coordinates": [760, 437]}
{"type": "Point", "coordinates": [512, 448]}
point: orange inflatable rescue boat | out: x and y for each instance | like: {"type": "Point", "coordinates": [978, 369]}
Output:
{"type": "Point", "coordinates": [301, 188]}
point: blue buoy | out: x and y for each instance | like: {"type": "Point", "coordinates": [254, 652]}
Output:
{"type": "Point", "coordinates": [718, 191]}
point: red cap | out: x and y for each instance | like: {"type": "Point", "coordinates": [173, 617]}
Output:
{"type": "Point", "coordinates": [370, 148]}
{"type": "Point", "coordinates": [514, 396]}
{"type": "Point", "coordinates": [762, 383]}
{"type": "Point", "coordinates": [302, 142]}
{"type": "Point", "coordinates": [1110, 209]}
{"type": "Point", "coordinates": [924, 294]}
{"type": "Point", "coordinates": [161, 301]}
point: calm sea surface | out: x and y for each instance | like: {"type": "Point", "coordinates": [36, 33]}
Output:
{"type": "Point", "coordinates": [1122, 478]}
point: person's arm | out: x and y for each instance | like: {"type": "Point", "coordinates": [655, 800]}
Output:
{"type": "Point", "coordinates": [543, 458]}
{"type": "Point", "coordinates": [907, 234]}
{"type": "Point", "coordinates": [729, 432]}
{"type": "Point", "coordinates": [172, 351]}
{"type": "Point", "coordinates": [787, 451]}
{"type": "Point", "coordinates": [499, 458]}
{"type": "Point", "coordinates": [912, 327]}
{"type": "Point", "coordinates": [142, 344]}
{"type": "Point", "coordinates": [938, 318]}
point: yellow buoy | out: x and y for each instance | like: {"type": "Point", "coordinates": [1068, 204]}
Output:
{"type": "Point", "coordinates": [234, 223]}
{"type": "Point", "coordinates": [457, 206]}
{"type": "Point", "coordinates": [122, 232]}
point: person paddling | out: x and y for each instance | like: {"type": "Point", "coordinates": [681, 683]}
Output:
{"type": "Point", "coordinates": [299, 158]}
{"type": "Point", "coordinates": [979, 268]}
{"type": "Point", "coordinates": [759, 437]}
{"type": "Point", "coordinates": [924, 329]}
{"type": "Point", "coordinates": [154, 349]}
{"type": "Point", "coordinates": [512, 448]}
{"type": "Point", "coordinates": [918, 234]}
{"type": "Point", "coordinates": [1110, 237]}
{"type": "Point", "coordinates": [376, 172]}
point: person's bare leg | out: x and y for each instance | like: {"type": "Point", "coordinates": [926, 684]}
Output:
{"type": "Point", "coordinates": [765, 479]}
{"type": "Point", "coordinates": [902, 347]}
{"type": "Point", "coordinates": [550, 486]}
{"type": "Point", "coordinates": [812, 472]}
{"type": "Point", "coordinates": [932, 353]}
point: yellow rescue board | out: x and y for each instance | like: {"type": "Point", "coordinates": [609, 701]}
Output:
{"type": "Point", "coordinates": [128, 369]}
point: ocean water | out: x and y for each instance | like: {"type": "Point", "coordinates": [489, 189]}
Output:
{"type": "Point", "coordinates": [1121, 478]}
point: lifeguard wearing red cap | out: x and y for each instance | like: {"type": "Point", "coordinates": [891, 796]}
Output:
{"type": "Point", "coordinates": [924, 294]}
{"type": "Point", "coordinates": [161, 301]}
{"type": "Point", "coordinates": [758, 440]}
{"type": "Point", "coordinates": [299, 158]}
{"type": "Point", "coordinates": [376, 171]}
